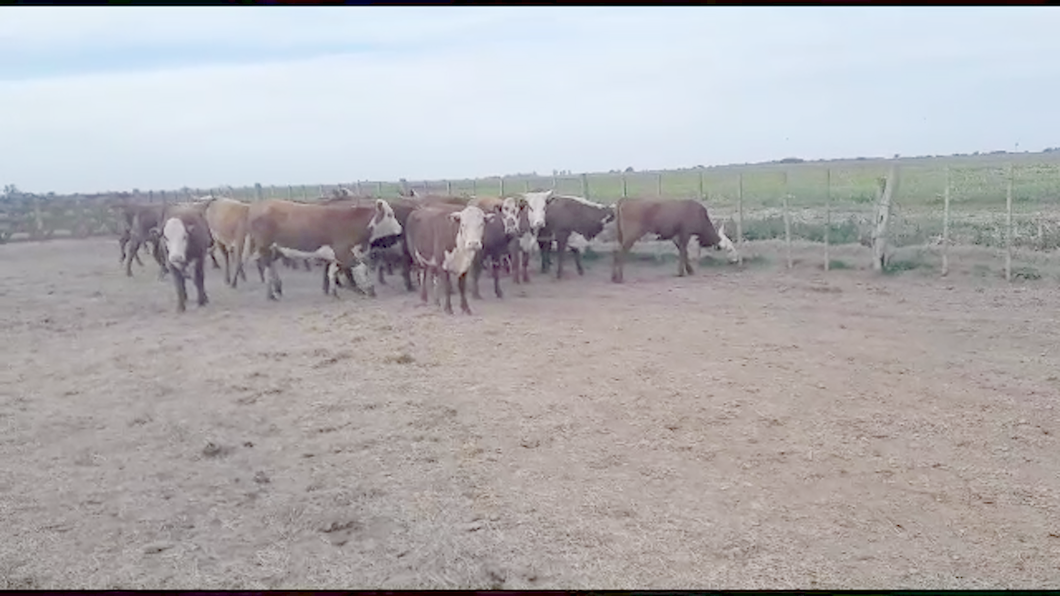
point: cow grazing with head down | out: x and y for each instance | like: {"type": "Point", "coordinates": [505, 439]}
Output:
{"type": "Point", "coordinates": [676, 220]}
{"type": "Point", "coordinates": [498, 235]}
{"type": "Point", "coordinates": [571, 222]}
{"type": "Point", "coordinates": [185, 240]}
{"type": "Point", "coordinates": [444, 240]}
{"type": "Point", "coordinates": [339, 234]}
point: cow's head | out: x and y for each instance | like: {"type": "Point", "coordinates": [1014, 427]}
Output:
{"type": "Point", "coordinates": [383, 224]}
{"type": "Point", "coordinates": [724, 243]}
{"type": "Point", "coordinates": [510, 209]}
{"type": "Point", "coordinates": [472, 222]}
{"type": "Point", "coordinates": [535, 204]}
{"type": "Point", "coordinates": [175, 238]}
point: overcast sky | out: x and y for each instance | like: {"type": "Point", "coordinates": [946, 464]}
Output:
{"type": "Point", "coordinates": [109, 98]}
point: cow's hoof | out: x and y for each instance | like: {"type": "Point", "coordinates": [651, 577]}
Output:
{"type": "Point", "coordinates": [448, 311]}
{"type": "Point", "coordinates": [476, 297]}
{"type": "Point", "coordinates": [203, 302]}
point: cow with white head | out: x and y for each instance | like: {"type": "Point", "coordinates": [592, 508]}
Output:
{"type": "Point", "coordinates": [444, 240]}
{"type": "Point", "coordinates": [186, 240]}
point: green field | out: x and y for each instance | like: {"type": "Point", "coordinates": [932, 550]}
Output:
{"type": "Point", "coordinates": [978, 186]}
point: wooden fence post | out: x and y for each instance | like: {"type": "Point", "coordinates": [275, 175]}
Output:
{"type": "Point", "coordinates": [448, 188]}
{"type": "Point", "coordinates": [257, 191]}
{"type": "Point", "coordinates": [474, 186]}
{"type": "Point", "coordinates": [625, 191]}
{"type": "Point", "coordinates": [827, 218]}
{"type": "Point", "coordinates": [500, 186]}
{"type": "Point", "coordinates": [526, 185]}
{"type": "Point", "coordinates": [739, 219]}
{"type": "Point", "coordinates": [290, 192]}
{"type": "Point", "coordinates": [585, 186]}
{"type": "Point", "coordinates": [946, 224]}
{"type": "Point", "coordinates": [787, 221]}
{"type": "Point", "coordinates": [1008, 224]}
{"type": "Point", "coordinates": [658, 185]}
{"type": "Point", "coordinates": [883, 218]}
{"type": "Point", "coordinates": [702, 195]}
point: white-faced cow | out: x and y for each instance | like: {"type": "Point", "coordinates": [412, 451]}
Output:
{"type": "Point", "coordinates": [444, 240]}
{"type": "Point", "coordinates": [339, 234]}
{"type": "Point", "coordinates": [676, 220]}
{"type": "Point", "coordinates": [185, 240]}
{"type": "Point", "coordinates": [498, 236]}
{"type": "Point", "coordinates": [571, 222]}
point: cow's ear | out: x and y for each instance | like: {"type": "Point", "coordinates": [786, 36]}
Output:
{"type": "Point", "coordinates": [491, 216]}
{"type": "Point", "coordinates": [455, 216]}
{"type": "Point", "coordinates": [191, 229]}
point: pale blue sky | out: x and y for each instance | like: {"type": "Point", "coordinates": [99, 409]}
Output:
{"type": "Point", "coordinates": [109, 98]}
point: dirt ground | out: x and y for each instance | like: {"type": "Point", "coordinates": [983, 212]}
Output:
{"type": "Point", "coordinates": [751, 428]}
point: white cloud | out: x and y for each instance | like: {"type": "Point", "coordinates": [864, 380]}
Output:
{"type": "Point", "coordinates": [467, 92]}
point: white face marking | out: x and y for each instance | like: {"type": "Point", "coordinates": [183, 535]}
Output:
{"type": "Point", "coordinates": [536, 202]}
{"type": "Point", "coordinates": [384, 223]}
{"type": "Point", "coordinates": [727, 244]}
{"type": "Point", "coordinates": [175, 236]}
{"type": "Point", "coordinates": [468, 239]}
{"type": "Point", "coordinates": [577, 241]}
{"type": "Point", "coordinates": [510, 215]}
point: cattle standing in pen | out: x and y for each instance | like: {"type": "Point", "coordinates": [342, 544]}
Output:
{"type": "Point", "coordinates": [186, 240]}
{"type": "Point", "coordinates": [498, 235]}
{"type": "Point", "coordinates": [571, 222]}
{"type": "Point", "coordinates": [339, 234]}
{"type": "Point", "coordinates": [676, 220]}
{"type": "Point", "coordinates": [444, 240]}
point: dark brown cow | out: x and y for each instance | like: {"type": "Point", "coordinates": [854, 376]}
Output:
{"type": "Point", "coordinates": [676, 220]}
{"type": "Point", "coordinates": [329, 232]}
{"type": "Point", "coordinates": [140, 224]}
{"type": "Point", "coordinates": [497, 238]}
{"type": "Point", "coordinates": [443, 241]}
{"type": "Point", "coordinates": [185, 240]}
{"type": "Point", "coordinates": [571, 222]}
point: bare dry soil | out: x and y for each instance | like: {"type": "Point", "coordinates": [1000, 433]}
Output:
{"type": "Point", "coordinates": [742, 428]}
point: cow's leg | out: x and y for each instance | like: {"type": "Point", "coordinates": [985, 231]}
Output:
{"type": "Point", "coordinates": [476, 272]}
{"type": "Point", "coordinates": [261, 269]}
{"type": "Point", "coordinates": [274, 287]}
{"type": "Point", "coordinates": [545, 248]}
{"type": "Point", "coordinates": [462, 283]}
{"type": "Point", "coordinates": [423, 277]}
{"type": "Point", "coordinates": [683, 263]}
{"type": "Point", "coordinates": [123, 241]}
{"type": "Point", "coordinates": [619, 261]}
{"type": "Point", "coordinates": [513, 249]}
{"type": "Point", "coordinates": [133, 246]}
{"type": "Point", "coordinates": [182, 291]}
{"type": "Point", "coordinates": [497, 280]}
{"type": "Point", "coordinates": [328, 279]}
{"type": "Point", "coordinates": [308, 265]}
{"type": "Point", "coordinates": [525, 265]}
{"type": "Point", "coordinates": [578, 260]}
{"type": "Point", "coordinates": [213, 257]}
{"type": "Point", "coordinates": [448, 280]}
{"type": "Point", "coordinates": [561, 248]}
{"type": "Point", "coordinates": [228, 262]}
{"type": "Point", "coordinates": [156, 252]}
{"type": "Point", "coordinates": [200, 281]}
{"type": "Point", "coordinates": [406, 272]}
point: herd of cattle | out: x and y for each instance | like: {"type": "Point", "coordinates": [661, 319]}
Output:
{"type": "Point", "coordinates": [434, 236]}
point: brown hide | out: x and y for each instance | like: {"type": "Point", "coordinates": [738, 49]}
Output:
{"type": "Point", "coordinates": [227, 219]}
{"type": "Point", "coordinates": [430, 233]}
{"type": "Point", "coordinates": [564, 216]}
{"type": "Point", "coordinates": [676, 220]}
{"type": "Point", "coordinates": [307, 228]}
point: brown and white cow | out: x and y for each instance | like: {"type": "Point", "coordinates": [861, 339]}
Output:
{"type": "Point", "coordinates": [339, 234]}
{"type": "Point", "coordinates": [571, 222]}
{"type": "Point", "coordinates": [498, 236]}
{"type": "Point", "coordinates": [185, 240]}
{"type": "Point", "coordinates": [676, 220]}
{"type": "Point", "coordinates": [444, 240]}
